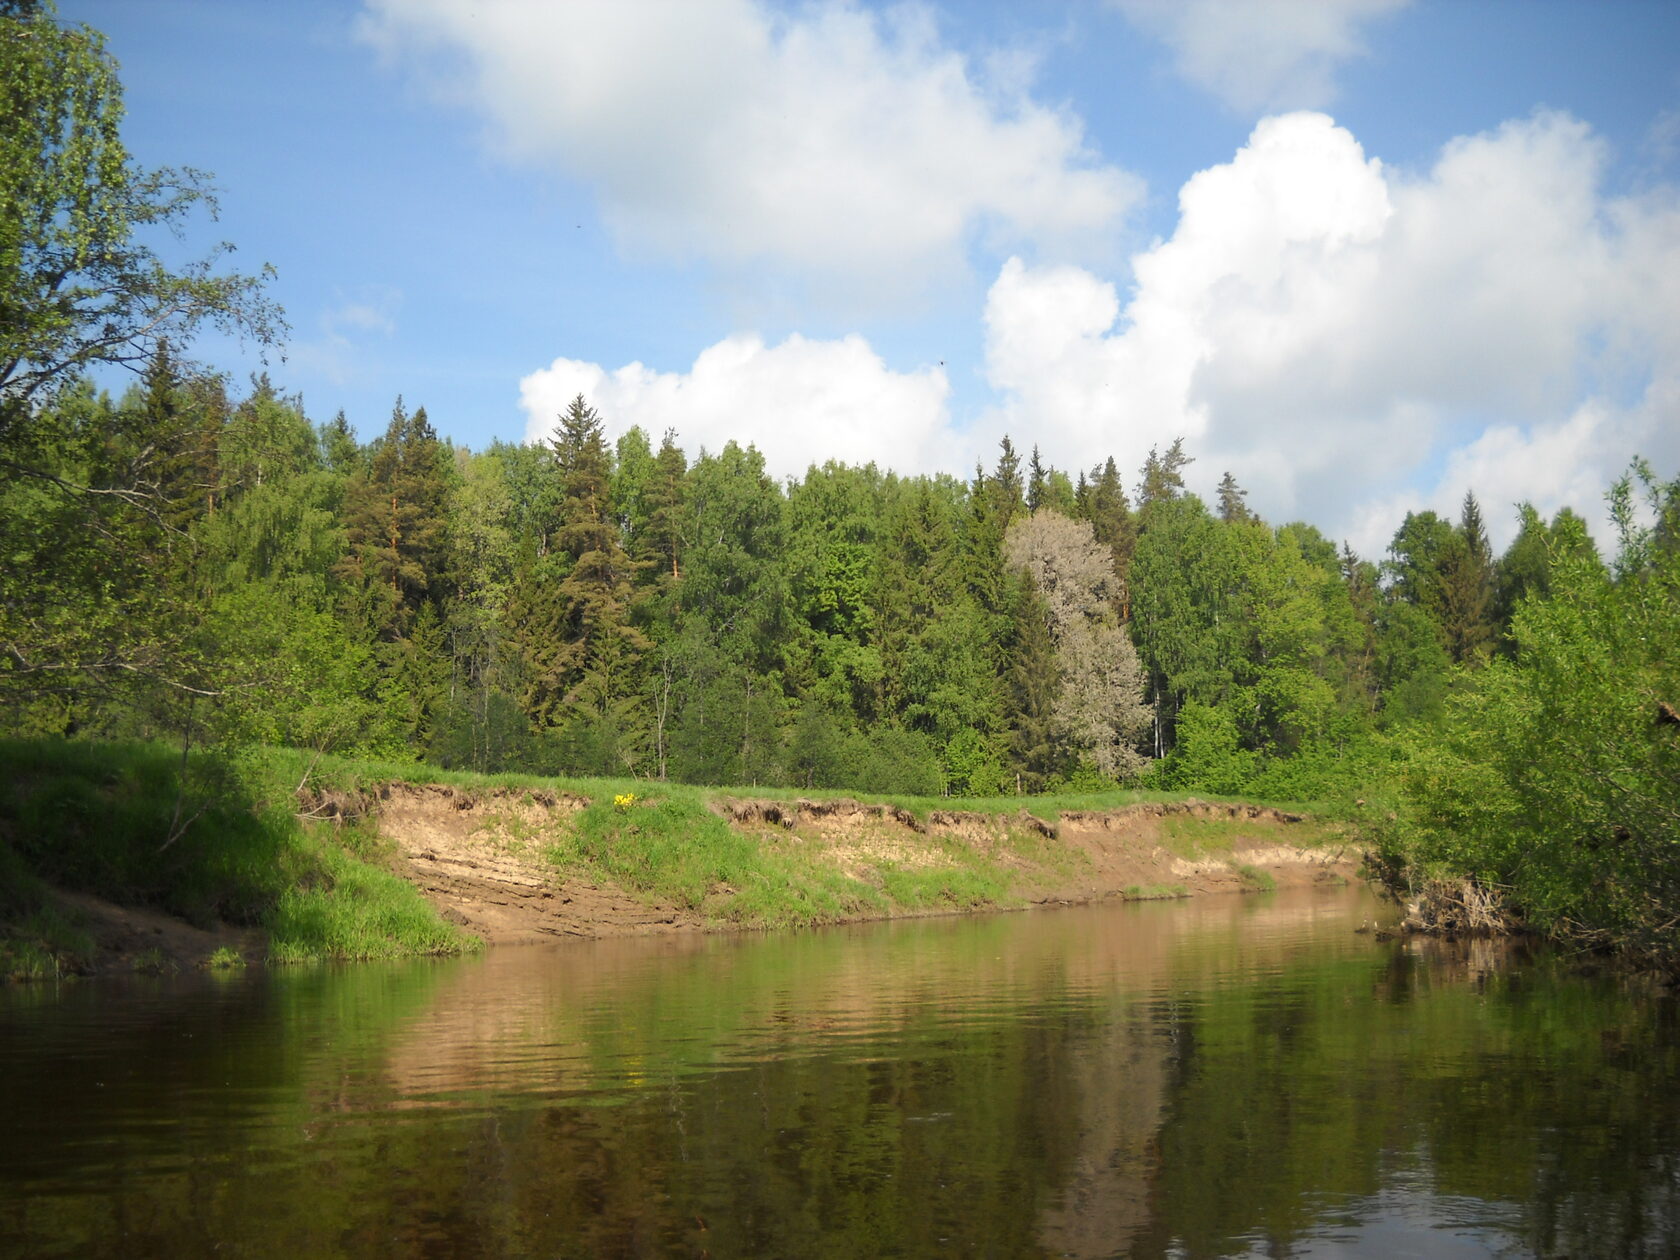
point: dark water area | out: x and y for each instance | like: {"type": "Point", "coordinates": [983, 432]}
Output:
{"type": "Point", "coordinates": [1233, 1076]}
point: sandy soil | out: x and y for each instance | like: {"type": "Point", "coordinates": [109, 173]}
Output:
{"type": "Point", "coordinates": [479, 856]}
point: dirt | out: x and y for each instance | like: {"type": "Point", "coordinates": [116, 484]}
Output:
{"type": "Point", "coordinates": [480, 857]}
{"type": "Point", "coordinates": [133, 940]}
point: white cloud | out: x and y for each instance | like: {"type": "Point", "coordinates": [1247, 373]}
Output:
{"type": "Point", "coordinates": [1261, 54]}
{"type": "Point", "coordinates": [851, 147]}
{"type": "Point", "coordinates": [800, 402]}
{"type": "Point", "coordinates": [344, 330]}
{"type": "Point", "coordinates": [1350, 340]}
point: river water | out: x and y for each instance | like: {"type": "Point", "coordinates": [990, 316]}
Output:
{"type": "Point", "coordinates": [1230, 1076]}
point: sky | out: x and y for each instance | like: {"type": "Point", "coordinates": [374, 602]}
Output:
{"type": "Point", "coordinates": [1365, 255]}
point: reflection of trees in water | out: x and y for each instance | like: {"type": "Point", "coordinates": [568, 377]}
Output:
{"type": "Point", "coordinates": [1547, 1095]}
{"type": "Point", "coordinates": [1119, 1080]}
{"type": "Point", "coordinates": [1085, 1083]}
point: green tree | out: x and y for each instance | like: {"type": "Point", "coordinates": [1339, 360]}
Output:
{"type": "Point", "coordinates": [1554, 774]}
{"type": "Point", "coordinates": [1162, 476]}
{"type": "Point", "coordinates": [79, 286]}
{"type": "Point", "coordinates": [585, 673]}
{"type": "Point", "coordinates": [1037, 749]}
{"type": "Point", "coordinates": [720, 664]}
{"type": "Point", "coordinates": [1233, 501]}
{"type": "Point", "coordinates": [396, 513]}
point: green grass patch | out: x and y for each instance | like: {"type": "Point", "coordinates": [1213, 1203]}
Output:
{"type": "Point", "coordinates": [1156, 892]}
{"type": "Point", "coordinates": [24, 959]}
{"type": "Point", "coordinates": [215, 842]}
{"type": "Point", "coordinates": [1255, 878]}
{"type": "Point", "coordinates": [1186, 836]}
{"type": "Point", "coordinates": [947, 887]}
{"type": "Point", "coordinates": [351, 910]}
{"type": "Point", "coordinates": [668, 845]}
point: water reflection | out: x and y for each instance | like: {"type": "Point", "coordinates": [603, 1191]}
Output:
{"type": "Point", "coordinates": [1230, 1076]}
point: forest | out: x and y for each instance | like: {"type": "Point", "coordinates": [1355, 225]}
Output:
{"type": "Point", "coordinates": [584, 608]}
{"type": "Point", "coordinates": [212, 566]}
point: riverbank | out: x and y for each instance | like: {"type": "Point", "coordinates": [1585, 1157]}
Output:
{"type": "Point", "coordinates": [515, 865]}
{"type": "Point", "coordinates": [117, 860]}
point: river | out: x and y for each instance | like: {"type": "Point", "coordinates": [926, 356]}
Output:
{"type": "Point", "coordinates": [1227, 1076]}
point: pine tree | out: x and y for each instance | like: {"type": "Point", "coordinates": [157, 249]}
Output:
{"type": "Point", "coordinates": [1163, 475]}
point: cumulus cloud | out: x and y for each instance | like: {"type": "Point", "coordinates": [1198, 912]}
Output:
{"type": "Point", "coordinates": [800, 402]}
{"type": "Point", "coordinates": [1261, 54]}
{"type": "Point", "coordinates": [848, 146]}
{"type": "Point", "coordinates": [1330, 330]}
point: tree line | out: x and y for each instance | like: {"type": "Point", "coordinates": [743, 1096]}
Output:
{"type": "Point", "coordinates": [576, 606]}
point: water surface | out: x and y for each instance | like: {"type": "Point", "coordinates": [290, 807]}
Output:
{"type": "Point", "coordinates": [1232, 1076]}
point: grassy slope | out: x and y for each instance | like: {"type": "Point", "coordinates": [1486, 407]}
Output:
{"type": "Point", "coordinates": [98, 818]}
{"type": "Point", "coordinates": [112, 820]}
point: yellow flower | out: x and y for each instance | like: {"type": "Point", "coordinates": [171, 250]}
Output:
{"type": "Point", "coordinates": [623, 801]}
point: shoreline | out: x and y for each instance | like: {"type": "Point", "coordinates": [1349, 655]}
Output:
{"type": "Point", "coordinates": [534, 862]}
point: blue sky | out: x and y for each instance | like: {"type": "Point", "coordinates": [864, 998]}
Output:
{"type": "Point", "coordinates": [1365, 254]}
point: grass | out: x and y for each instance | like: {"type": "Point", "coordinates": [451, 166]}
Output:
{"type": "Point", "coordinates": [23, 959]}
{"type": "Point", "coordinates": [669, 845]}
{"type": "Point", "coordinates": [218, 844]}
{"type": "Point", "coordinates": [356, 912]}
{"type": "Point", "coordinates": [292, 766]}
{"type": "Point", "coordinates": [1255, 878]}
{"type": "Point", "coordinates": [1155, 892]}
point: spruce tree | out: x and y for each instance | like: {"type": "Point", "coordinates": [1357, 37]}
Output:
{"type": "Point", "coordinates": [1037, 483]}
{"type": "Point", "coordinates": [659, 542]}
{"type": "Point", "coordinates": [1004, 486]}
{"type": "Point", "coordinates": [1233, 506]}
{"type": "Point", "coordinates": [589, 647]}
{"type": "Point", "coordinates": [396, 516]}
{"type": "Point", "coordinates": [1036, 751]}
{"type": "Point", "coordinates": [1113, 523]}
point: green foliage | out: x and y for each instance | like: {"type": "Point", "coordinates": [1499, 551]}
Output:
{"type": "Point", "coordinates": [1555, 772]}
{"type": "Point", "coordinates": [123, 822]}
{"type": "Point", "coordinates": [225, 958]}
{"type": "Point", "coordinates": [79, 284]}
{"type": "Point", "coordinates": [1208, 755]}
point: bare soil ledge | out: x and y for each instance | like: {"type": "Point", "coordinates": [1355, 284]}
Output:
{"type": "Point", "coordinates": [481, 857]}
